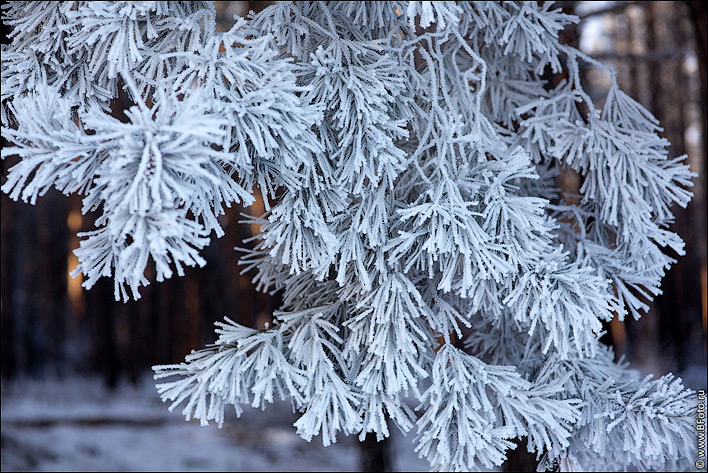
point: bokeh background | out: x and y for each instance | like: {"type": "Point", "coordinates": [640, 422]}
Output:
{"type": "Point", "coordinates": [64, 346]}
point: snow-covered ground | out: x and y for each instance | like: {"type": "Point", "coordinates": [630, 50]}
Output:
{"type": "Point", "coordinates": [75, 424]}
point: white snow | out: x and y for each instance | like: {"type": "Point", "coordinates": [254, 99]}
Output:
{"type": "Point", "coordinates": [77, 425]}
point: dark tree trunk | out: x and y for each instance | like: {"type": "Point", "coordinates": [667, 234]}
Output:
{"type": "Point", "coordinates": [375, 456]}
{"type": "Point", "coordinates": [699, 16]}
{"type": "Point", "coordinates": [100, 309]}
{"type": "Point", "coordinates": [520, 459]}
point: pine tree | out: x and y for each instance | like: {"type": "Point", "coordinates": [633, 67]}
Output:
{"type": "Point", "coordinates": [408, 154]}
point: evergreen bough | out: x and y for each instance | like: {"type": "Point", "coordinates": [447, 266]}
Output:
{"type": "Point", "coordinates": [408, 154]}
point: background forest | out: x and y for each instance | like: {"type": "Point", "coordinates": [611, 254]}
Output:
{"type": "Point", "coordinates": [52, 328]}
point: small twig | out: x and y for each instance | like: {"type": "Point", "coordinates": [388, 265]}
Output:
{"type": "Point", "coordinates": [87, 422]}
{"type": "Point", "coordinates": [618, 7]}
{"type": "Point", "coordinates": [648, 56]}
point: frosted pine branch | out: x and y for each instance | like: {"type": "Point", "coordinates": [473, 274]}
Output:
{"type": "Point", "coordinates": [407, 155]}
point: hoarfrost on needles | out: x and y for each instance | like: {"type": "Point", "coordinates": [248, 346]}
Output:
{"type": "Point", "coordinates": [406, 153]}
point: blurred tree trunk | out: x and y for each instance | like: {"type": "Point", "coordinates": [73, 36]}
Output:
{"type": "Point", "coordinates": [520, 459]}
{"type": "Point", "coordinates": [375, 456]}
{"type": "Point", "coordinates": [679, 307]}
{"type": "Point", "coordinates": [100, 308]}
{"type": "Point", "coordinates": [8, 352]}
{"type": "Point", "coordinates": [700, 33]}
{"type": "Point", "coordinates": [699, 15]}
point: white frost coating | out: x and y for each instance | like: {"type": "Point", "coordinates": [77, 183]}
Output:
{"type": "Point", "coordinates": [408, 154]}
